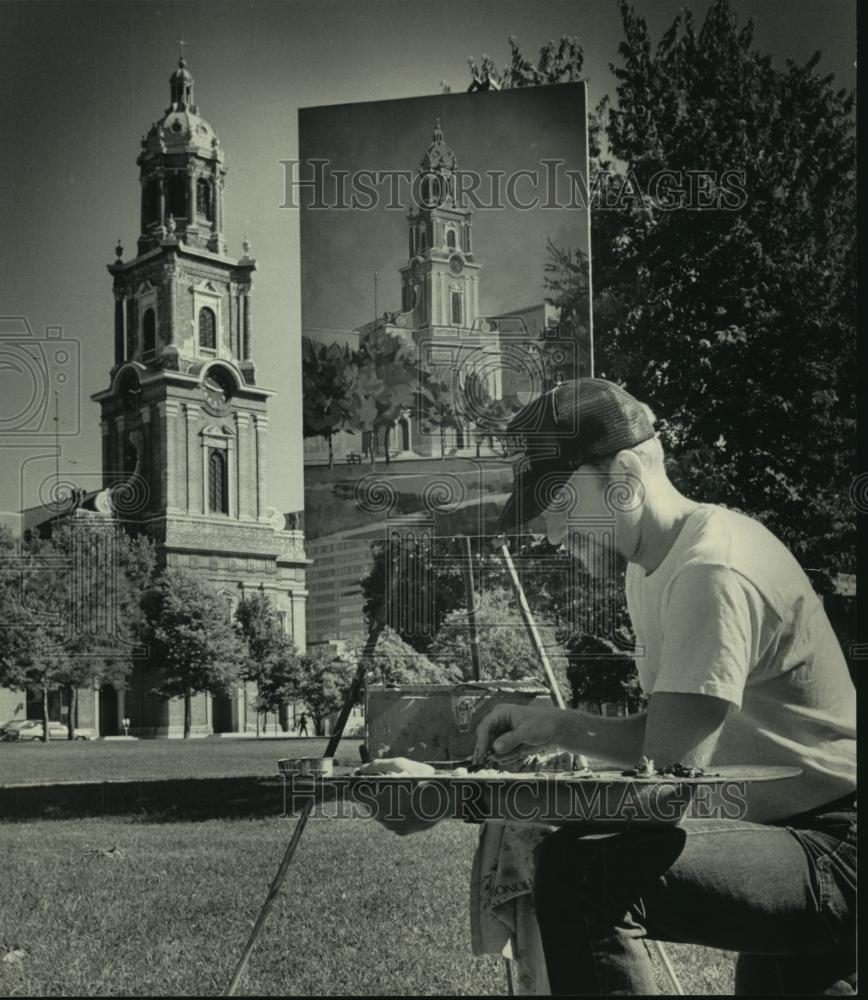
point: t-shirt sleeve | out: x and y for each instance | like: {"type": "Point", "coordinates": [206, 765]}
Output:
{"type": "Point", "coordinates": [711, 622]}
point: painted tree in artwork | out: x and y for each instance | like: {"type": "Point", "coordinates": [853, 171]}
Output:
{"type": "Point", "coordinates": [435, 406]}
{"type": "Point", "coordinates": [328, 372]}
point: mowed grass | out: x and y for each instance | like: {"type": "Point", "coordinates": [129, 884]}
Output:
{"type": "Point", "coordinates": [142, 760]}
{"type": "Point", "coordinates": [168, 909]}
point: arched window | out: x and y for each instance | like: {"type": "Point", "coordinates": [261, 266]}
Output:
{"type": "Point", "coordinates": [203, 198]}
{"type": "Point", "coordinates": [450, 239]}
{"type": "Point", "coordinates": [149, 333]}
{"type": "Point", "coordinates": [176, 189]}
{"type": "Point", "coordinates": [456, 308]}
{"type": "Point", "coordinates": [423, 242]}
{"type": "Point", "coordinates": [218, 493]}
{"type": "Point", "coordinates": [151, 202]}
{"type": "Point", "coordinates": [207, 329]}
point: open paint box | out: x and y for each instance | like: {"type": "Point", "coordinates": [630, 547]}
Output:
{"type": "Point", "coordinates": [437, 723]}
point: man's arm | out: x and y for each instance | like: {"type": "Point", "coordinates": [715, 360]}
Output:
{"type": "Point", "coordinates": [514, 732]}
{"type": "Point", "coordinates": [684, 728]}
{"type": "Point", "coordinates": [677, 728]}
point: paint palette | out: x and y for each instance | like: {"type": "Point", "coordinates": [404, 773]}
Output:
{"type": "Point", "coordinates": [605, 799]}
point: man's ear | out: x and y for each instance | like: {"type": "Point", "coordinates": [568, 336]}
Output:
{"type": "Point", "coordinates": [627, 463]}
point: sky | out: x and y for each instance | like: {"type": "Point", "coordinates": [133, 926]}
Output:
{"type": "Point", "coordinates": [82, 81]}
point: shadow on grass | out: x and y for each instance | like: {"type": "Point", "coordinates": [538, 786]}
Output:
{"type": "Point", "coordinates": [161, 801]}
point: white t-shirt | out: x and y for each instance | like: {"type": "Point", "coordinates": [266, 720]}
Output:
{"type": "Point", "coordinates": [730, 613]}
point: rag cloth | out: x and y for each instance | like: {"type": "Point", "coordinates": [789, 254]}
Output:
{"type": "Point", "coordinates": [502, 916]}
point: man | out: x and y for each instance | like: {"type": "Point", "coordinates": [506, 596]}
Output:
{"type": "Point", "coordinates": [740, 666]}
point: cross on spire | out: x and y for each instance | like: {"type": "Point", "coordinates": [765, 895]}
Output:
{"type": "Point", "coordinates": [181, 44]}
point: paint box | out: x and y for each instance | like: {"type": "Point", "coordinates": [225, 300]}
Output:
{"type": "Point", "coordinates": [437, 723]}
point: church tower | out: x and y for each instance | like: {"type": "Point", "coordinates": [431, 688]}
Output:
{"type": "Point", "coordinates": [440, 281]}
{"type": "Point", "coordinates": [184, 423]}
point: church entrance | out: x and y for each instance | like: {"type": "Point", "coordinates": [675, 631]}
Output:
{"type": "Point", "coordinates": [404, 433]}
{"type": "Point", "coordinates": [222, 707]}
{"type": "Point", "coordinates": [108, 711]}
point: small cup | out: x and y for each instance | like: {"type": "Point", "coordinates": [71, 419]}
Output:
{"type": "Point", "coordinates": [315, 767]}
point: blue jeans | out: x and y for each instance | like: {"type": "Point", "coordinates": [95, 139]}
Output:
{"type": "Point", "coordinates": [783, 893]}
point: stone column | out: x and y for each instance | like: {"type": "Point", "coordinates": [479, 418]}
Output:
{"type": "Point", "coordinates": [105, 430]}
{"type": "Point", "coordinates": [194, 463]}
{"type": "Point", "coordinates": [298, 598]}
{"type": "Point", "coordinates": [260, 426]}
{"type": "Point", "coordinates": [117, 463]}
{"type": "Point", "coordinates": [169, 410]}
{"type": "Point", "coordinates": [132, 328]}
{"type": "Point", "coordinates": [191, 196]}
{"type": "Point", "coordinates": [169, 325]}
{"type": "Point", "coordinates": [161, 178]}
{"type": "Point", "coordinates": [119, 328]}
{"type": "Point", "coordinates": [216, 212]}
{"type": "Point", "coordinates": [230, 320]}
{"type": "Point", "coordinates": [248, 323]}
{"type": "Point", "coordinates": [243, 482]}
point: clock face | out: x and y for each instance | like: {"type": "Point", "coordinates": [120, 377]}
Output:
{"type": "Point", "coordinates": [456, 265]}
{"type": "Point", "coordinates": [216, 397]}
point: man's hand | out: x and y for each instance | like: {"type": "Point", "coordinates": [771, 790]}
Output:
{"type": "Point", "coordinates": [394, 808]}
{"type": "Point", "coordinates": [514, 732]}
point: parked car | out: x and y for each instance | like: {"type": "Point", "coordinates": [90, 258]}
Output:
{"type": "Point", "coordinates": [31, 729]}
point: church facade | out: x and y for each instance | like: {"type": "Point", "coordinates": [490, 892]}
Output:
{"type": "Point", "coordinates": [184, 421]}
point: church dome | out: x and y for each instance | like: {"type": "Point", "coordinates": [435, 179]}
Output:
{"type": "Point", "coordinates": [440, 155]}
{"type": "Point", "coordinates": [182, 129]}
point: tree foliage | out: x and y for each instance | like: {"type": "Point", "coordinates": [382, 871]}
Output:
{"type": "Point", "coordinates": [396, 662]}
{"type": "Point", "coordinates": [505, 649]}
{"type": "Point", "coordinates": [271, 662]}
{"type": "Point", "coordinates": [193, 645]}
{"type": "Point", "coordinates": [324, 681]}
{"type": "Point", "coordinates": [328, 374]}
{"type": "Point", "coordinates": [70, 609]}
{"type": "Point", "coordinates": [736, 321]}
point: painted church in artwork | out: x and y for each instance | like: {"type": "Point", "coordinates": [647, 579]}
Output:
{"type": "Point", "coordinates": [184, 420]}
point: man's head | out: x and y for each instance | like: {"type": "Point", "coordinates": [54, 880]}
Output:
{"type": "Point", "coordinates": [591, 456]}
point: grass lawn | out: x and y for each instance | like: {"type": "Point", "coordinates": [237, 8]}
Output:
{"type": "Point", "coordinates": [143, 760]}
{"type": "Point", "coordinates": [362, 911]}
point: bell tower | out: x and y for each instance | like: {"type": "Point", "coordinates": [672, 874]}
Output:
{"type": "Point", "coordinates": [182, 172]}
{"type": "Point", "coordinates": [184, 422]}
{"type": "Point", "coordinates": [440, 281]}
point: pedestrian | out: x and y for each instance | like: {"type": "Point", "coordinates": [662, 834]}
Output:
{"type": "Point", "coordinates": [302, 724]}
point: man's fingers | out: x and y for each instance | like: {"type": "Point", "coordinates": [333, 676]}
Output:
{"type": "Point", "coordinates": [509, 741]}
{"type": "Point", "coordinates": [493, 723]}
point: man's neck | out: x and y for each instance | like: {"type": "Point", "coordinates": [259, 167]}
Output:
{"type": "Point", "coordinates": [663, 518]}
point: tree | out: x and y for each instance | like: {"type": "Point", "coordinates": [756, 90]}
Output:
{"type": "Point", "coordinates": [328, 372]}
{"type": "Point", "coordinates": [382, 387]}
{"type": "Point", "coordinates": [411, 566]}
{"type": "Point", "coordinates": [736, 322]}
{"type": "Point", "coordinates": [505, 649]}
{"type": "Point", "coordinates": [272, 662]}
{"type": "Point", "coordinates": [435, 407]}
{"type": "Point", "coordinates": [324, 681]}
{"type": "Point", "coordinates": [396, 662]}
{"type": "Point", "coordinates": [193, 645]}
{"type": "Point", "coordinates": [70, 609]}
{"type": "Point", "coordinates": [601, 673]}
{"type": "Point", "coordinates": [753, 310]}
